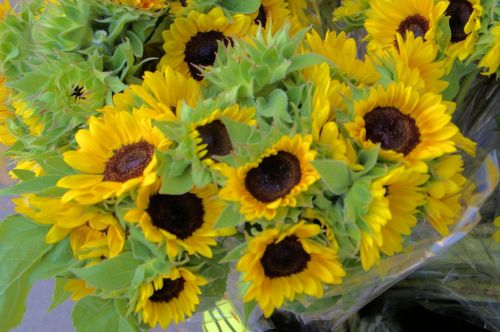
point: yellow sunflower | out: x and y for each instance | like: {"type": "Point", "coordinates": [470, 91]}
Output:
{"type": "Point", "coordinates": [6, 137]}
{"type": "Point", "coordinates": [391, 214]}
{"type": "Point", "coordinates": [27, 114]}
{"type": "Point", "coordinates": [491, 60]}
{"type": "Point", "coordinates": [444, 193]}
{"type": "Point", "coordinates": [298, 9]}
{"type": "Point", "coordinates": [211, 136]}
{"type": "Point", "coordinates": [416, 65]}
{"type": "Point", "coordinates": [116, 154]}
{"type": "Point", "coordinates": [343, 52]}
{"type": "Point", "coordinates": [409, 126]}
{"type": "Point", "coordinates": [273, 13]}
{"type": "Point", "coordinates": [27, 165]}
{"type": "Point", "coordinates": [280, 265]}
{"type": "Point", "coordinates": [184, 222]}
{"type": "Point", "coordinates": [164, 91]}
{"type": "Point", "coordinates": [191, 42]}
{"type": "Point", "coordinates": [180, 7]}
{"type": "Point", "coordinates": [78, 289]}
{"type": "Point", "coordinates": [143, 4]}
{"type": "Point", "coordinates": [5, 9]}
{"type": "Point", "coordinates": [274, 180]}
{"type": "Point", "coordinates": [169, 298]}
{"type": "Point", "coordinates": [93, 233]}
{"type": "Point", "coordinates": [386, 18]}
{"type": "Point", "coordinates": [465, 23]}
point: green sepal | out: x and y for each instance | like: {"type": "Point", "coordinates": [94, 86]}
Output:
{"type": "Point", "coordinates": [60, 295]}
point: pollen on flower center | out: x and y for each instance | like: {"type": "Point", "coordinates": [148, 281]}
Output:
{"type": "Point", "coordinates": [180, 215]}
{"type": "Point", "coordinates": [392, 129]}
{"type": "Point", "coordinates": [129, 161]}
{"type": "Point", "coordinates": [261, 17]}
{"type": "Point", "coordinates": [284, 258]}
{"type": "Point", "coordinates": [274, 178]}
{"type": "Point", "coordinates": [201, 49]}
{"type": "Point", "coordinates": [215, 135]}
{"type": "Point", "coordinates": [418, 24]}
{"type": "Point", "coordinates": [171, 289]}
{"type": "Point", "coordinates": [459, 12]}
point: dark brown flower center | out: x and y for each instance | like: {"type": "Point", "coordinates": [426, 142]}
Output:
{"type": "Point", "coordinates": [284, 258]}
{"type": "Point", "coordinates": [180, 215]}
{"type": "Point", "coordinates": [170, 290]}
{"type": "Point", "coordinates": [415, 23]}
{"type": "Point", "coordinates": [459, 12]}
{"type": "Point", "coordinates": [78, 92]}
{"type": "Point", "coordinates": [261, 17]}
{"type": "Point", "coordinates": [183, 3]}
{"type": "Point", "coordinates": [392, 129]}
{"type": "Point", "coordinates": [201, 50]}
{"type": "Point", "coordinates": [129, 161]}
{"type": "Point", "coordinates": [274, 178]}
{"type": "Point", "coordinates": [215, 135]}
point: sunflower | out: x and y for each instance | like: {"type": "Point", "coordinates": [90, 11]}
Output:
{"type": "Point", "coordinates": [211, 136]}
{"type": "Point", "coordinates": [6, 137]}
{"type": "Point", "coordinates": [272, 13]}
{"type": "Point", "coordinates": [27, 165]}
{"type": "Point", "coordinates": [416, 65]}
{"type": "Point", "coordinates": [387, 18]}
{"type": "Point", "coordinates": [465, 23]}
{"type": "Point", "coordinates": [116, 154]}
{"type": "Point", "coordinates": [191, 42]}
{"type": "Point", "coordinates": [169, 297]}
{"type": "Point", "coordinates": [444, 193]}
{"type": "Point", "coordinates": [491, 60]}
{"type": "Point", "coordinates": [5, 9]}
{"type": "Point", "coordinates": [298, 10]}
{"type": "Point", "coordinates": [343, 52]}
{"type": "Point", "coordinates": [409, 127]}
{"type": "Point", "coordinates": [180, 7]}
{"type": "Point", "coordinates": [143, 4]}
{"type": "Point", "coordinates": [93, 233]}
{"type": "Point", "coordinates": [27, 115]}
{"type": "Point", "coordinates": [165, 90]}
{"type": "Point", "coordinates": [78, 289]}
{"type": "Point", "coordinates": [183, 221]}
{"type": "Point", "coordinates": [280, 265]}
{"type": "Point", "coordinates": [391, 214]}
{"type": "Point", "coordinates": [274, 180]}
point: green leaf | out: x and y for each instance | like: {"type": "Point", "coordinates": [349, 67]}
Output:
{"type": "Point", "coordinates": [248, 308]}
{"type": "Point", "coordinates": [34, 186]}
{"type": "Point", "coordinates": [22, 247]}
{"type": "Point", "coordinates": [241, 7]}
{"type": "Point", "coordinates": [112, 274]}
{"type": "Point", "coordinates": [229, 218]}
{"type": "Point", "coordinates": [92, 314]}
{"type": "Point", "coordinates": [55, 165]}
{"type": "Point", "coordinates": [31, 83]}
{"type": "Point", "coordinates": [276, 104]}
{"type": "Point", "coordinates": [60, 295]}
{"type": "Point", "coordinates": [238, 132]}
{"type": "Point", "coordinates": [23, 174]}
{"type": "Point", "coordinates": [56, 262]}
{"type": "Point", "coordinates": [303, 61]}
{"type": "Point", "coordinates": [177, 185]}
{"type": "Point", "coordinates": [127, 324]}
{"type": "Point", "coordinates": [335, 175]}
{"type": "Point", "coordinates": [235, 254]}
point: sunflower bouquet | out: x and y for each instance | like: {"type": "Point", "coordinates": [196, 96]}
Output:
{"type": "Point", "coordinates": [169, 154]}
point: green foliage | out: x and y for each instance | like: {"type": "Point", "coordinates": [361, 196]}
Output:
{"type": "Point", "coordinates": [335, 174]}
{"type": "Point", "coordinates": [111, 274]}
{"type": "Point", "coordinates": [241, 7]}
{"type": "Point", "coordinates": [95, 314]}
{"type": "Point", "coordinates": [35, 185]}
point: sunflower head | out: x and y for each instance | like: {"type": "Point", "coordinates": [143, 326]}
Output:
{"type": "Point", "coordinates": [279, 175]}
{"type": "Point", "coordinates": [169, 298]}
{"type": "Point", "coordinates": [116, 154]}
{"type": "Point", "coordinates": [391, 214]}
{"type": "Point", "coordinates": [465, 23]}
{"type": "Point", "coordinates": [387, 18]}
{"type": "Point", "coordinates": [183, 222]}
{"type": "Point", "coordinates": [408, 126]}
{"type": "Point", "coordinates": [280, 265]}
{"type": "Point", "coordinates": [191, 43]}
